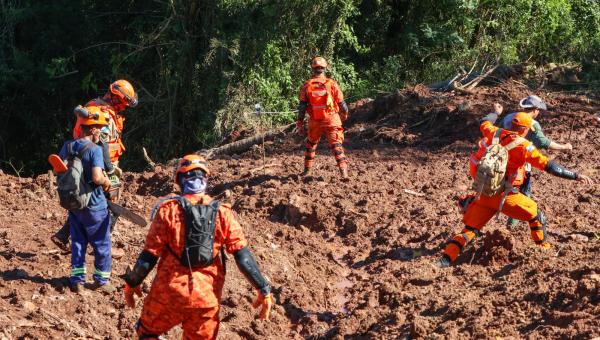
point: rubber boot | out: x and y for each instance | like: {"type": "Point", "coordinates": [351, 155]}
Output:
{"type": "Point", "coordinates": [306, 172]}
{"type": "Point", "coordinates": [61, 237]}
{"type": "Point", "coordinates": [344, 173]}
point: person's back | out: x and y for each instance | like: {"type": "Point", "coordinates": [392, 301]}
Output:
{"type": "Point", "coordinates": [517, 156]}
{"type": "Point", "coordinates": [187, 236]}
{"type": "Point", "coordinates": [89, 159]}
{"type": "Point", "coordinates": [166, 239]}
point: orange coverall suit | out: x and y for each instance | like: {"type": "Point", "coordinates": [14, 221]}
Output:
{"type": "Point", "coordinates": [115, 127]}
{"type": "Point", "coordinates": [323, 120]}
{"type": "Point", "coordinates": [516, 205]}
{"type": "Point", "coordinates": [179, 296]}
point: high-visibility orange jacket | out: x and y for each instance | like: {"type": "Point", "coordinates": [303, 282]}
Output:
{"type": "Point", "coordinates": [175, 284]}
{"type": "Point", "coordinates": [517, 157]}
{"type": "Point", "coordinates": [115, 127]}
{"type": "Point", "coordinates": [323, 96]}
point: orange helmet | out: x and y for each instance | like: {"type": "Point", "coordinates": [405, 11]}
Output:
{"type": "Point", "coordinates": [125, 92]}
{"type": "Point", "coordinates": [95, 117]}
{"type": "Point", "coordinates": [522, 119]}
{"type": "Point", "coordinates": [189, 163]}
{"type": "Point", "coordinates": [318, 62]}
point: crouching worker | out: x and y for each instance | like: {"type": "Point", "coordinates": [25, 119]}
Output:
{"type": "Point", "coordinates": [498, 170]}
{"type": "Point", "coordinates": [189, 234]}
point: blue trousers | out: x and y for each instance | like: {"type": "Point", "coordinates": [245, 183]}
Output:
{"type": "Point", "coordinates": [91, 227]}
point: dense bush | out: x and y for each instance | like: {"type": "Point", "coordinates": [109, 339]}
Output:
{"type": "Point", "coordinates": [200, 66]}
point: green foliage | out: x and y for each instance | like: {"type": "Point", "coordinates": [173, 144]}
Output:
{"type": "Point", "coordinates": [201, 66]}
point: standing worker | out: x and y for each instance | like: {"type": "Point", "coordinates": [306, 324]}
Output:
{"type": "Point", "coordinates": [323, 100]}
{"type": "Point", "coordinates": [533, 106]}
{"type": "Point", "coordinates": [119, 97]}
{"type": "Point", "coordinates": [90, 224]}
{"type": "Point", "coordinates": [505, 150]}
{"type": "Point", "coordinates": [189, 234]}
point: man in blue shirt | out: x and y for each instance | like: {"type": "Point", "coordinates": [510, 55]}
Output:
{"type": "Point", "coordinates": [91, 224]}
{"type": "Point", "coordinates": [533, 106]}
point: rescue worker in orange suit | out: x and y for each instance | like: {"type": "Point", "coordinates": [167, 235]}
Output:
{"type": "Point", "coordinates": [323, 100]}
{"type": "Point", "coordinates": [478, 211]}
{"type": "Point", "coordinates": [119, 97]}
{"type": "Point", "coordinates": [189, 234]}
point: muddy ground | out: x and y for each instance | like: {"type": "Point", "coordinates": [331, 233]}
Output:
{"type": "Point", "coordinates": [349, 259]}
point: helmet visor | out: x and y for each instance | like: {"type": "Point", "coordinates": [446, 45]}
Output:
{"type": "Point", "coordinates": [131, 101]}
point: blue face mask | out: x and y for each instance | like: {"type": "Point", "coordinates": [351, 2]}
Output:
{"type": "Point", "coordinates": [194, 185]}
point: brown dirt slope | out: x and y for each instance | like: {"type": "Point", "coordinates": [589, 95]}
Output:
{"type": "Point", "coordinates": [350, 260]}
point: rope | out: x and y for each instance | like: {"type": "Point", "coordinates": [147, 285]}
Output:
{"type": "Point", "coordinates": [269, 112]}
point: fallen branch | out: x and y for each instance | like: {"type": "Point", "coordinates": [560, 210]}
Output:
{"type": "Point", "coordinates": [473, 83]}
{"type": "Point", "coordinates": [455, 86]}
{"type": "Point", "coordinates": [147, 158]}
{"type": "Point", "coordinates": [244, 144]}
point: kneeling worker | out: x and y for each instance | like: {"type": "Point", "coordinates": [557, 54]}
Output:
{"type": "Point", "coordinates": [189, 234]}
{"type": "Point", "coordinates": [511, 148]}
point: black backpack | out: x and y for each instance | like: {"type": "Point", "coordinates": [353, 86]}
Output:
{"type": "Point", "coordinates": [74, 190]}
{"type": "Point", "coordinates": [200, 221]}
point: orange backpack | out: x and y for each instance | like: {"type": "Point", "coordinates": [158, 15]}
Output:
{"type": "Point", "coordinates": [320, 97]}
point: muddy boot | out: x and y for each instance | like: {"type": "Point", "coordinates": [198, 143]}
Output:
{"type": "Point", "coordinates": [105, 288]}
{"type": "Point", "coordinates": [442, 262]}
{"type": "Point", "coordinates": [545, 245]}
{"type": "Point", "coordinates": [76, 287]}
{"type": "Point", "coordinates": [61, 238]}
{"type": "Point", "coordinates": [344, 173]}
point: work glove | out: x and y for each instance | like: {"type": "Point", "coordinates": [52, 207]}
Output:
{"type": "Point", "coordinates": [300, 128]}
{"type": "Point", "coordinates": [266, 303]}
{"type": "Point", "coordinates": [129, 298]}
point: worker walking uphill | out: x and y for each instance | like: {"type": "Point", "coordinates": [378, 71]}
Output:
{"type": "Point", "coordinates": [120, 96]}
{"type": "Point", "coordinates": [189, 234]}
{"type": "Point", "coordinates": [323, 100]}
{"type": "Point", "coordinates": [89, 223]}
{"type": "Point", "coordinates": [533, 106]}
{"type": "Point", "coordinates": [498, 171]}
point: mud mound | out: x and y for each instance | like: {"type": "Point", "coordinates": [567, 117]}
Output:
{"type": "Point", "coordinates": [349, 259]}
{"type": "Point", "coordinates": [498, 249]}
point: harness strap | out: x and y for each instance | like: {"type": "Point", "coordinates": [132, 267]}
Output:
{"type": "Point", "coordinates": [518, 141]}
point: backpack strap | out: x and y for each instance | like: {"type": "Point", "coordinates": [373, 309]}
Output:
{"type": "Point", "coordinates": [518, 141]}
{"type": "Point", "coordinates": [79, 153]}
{"type": "Point", "coordinates": [496, 138]}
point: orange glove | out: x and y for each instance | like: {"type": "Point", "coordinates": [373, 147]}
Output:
{"type": "Point", "coordinates": [266, 302]}
{"type": "Point", "coordinates": [129, 298]}
{"type": "Point", "coordinates": [300, 128]}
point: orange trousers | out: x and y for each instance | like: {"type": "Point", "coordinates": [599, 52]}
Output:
{"type": "Point", "coordinates": [479, 212]}
{"type": "Point", "coordinates": [158, 318]}
{"type": "Point", "coordinates": [334, 132]}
